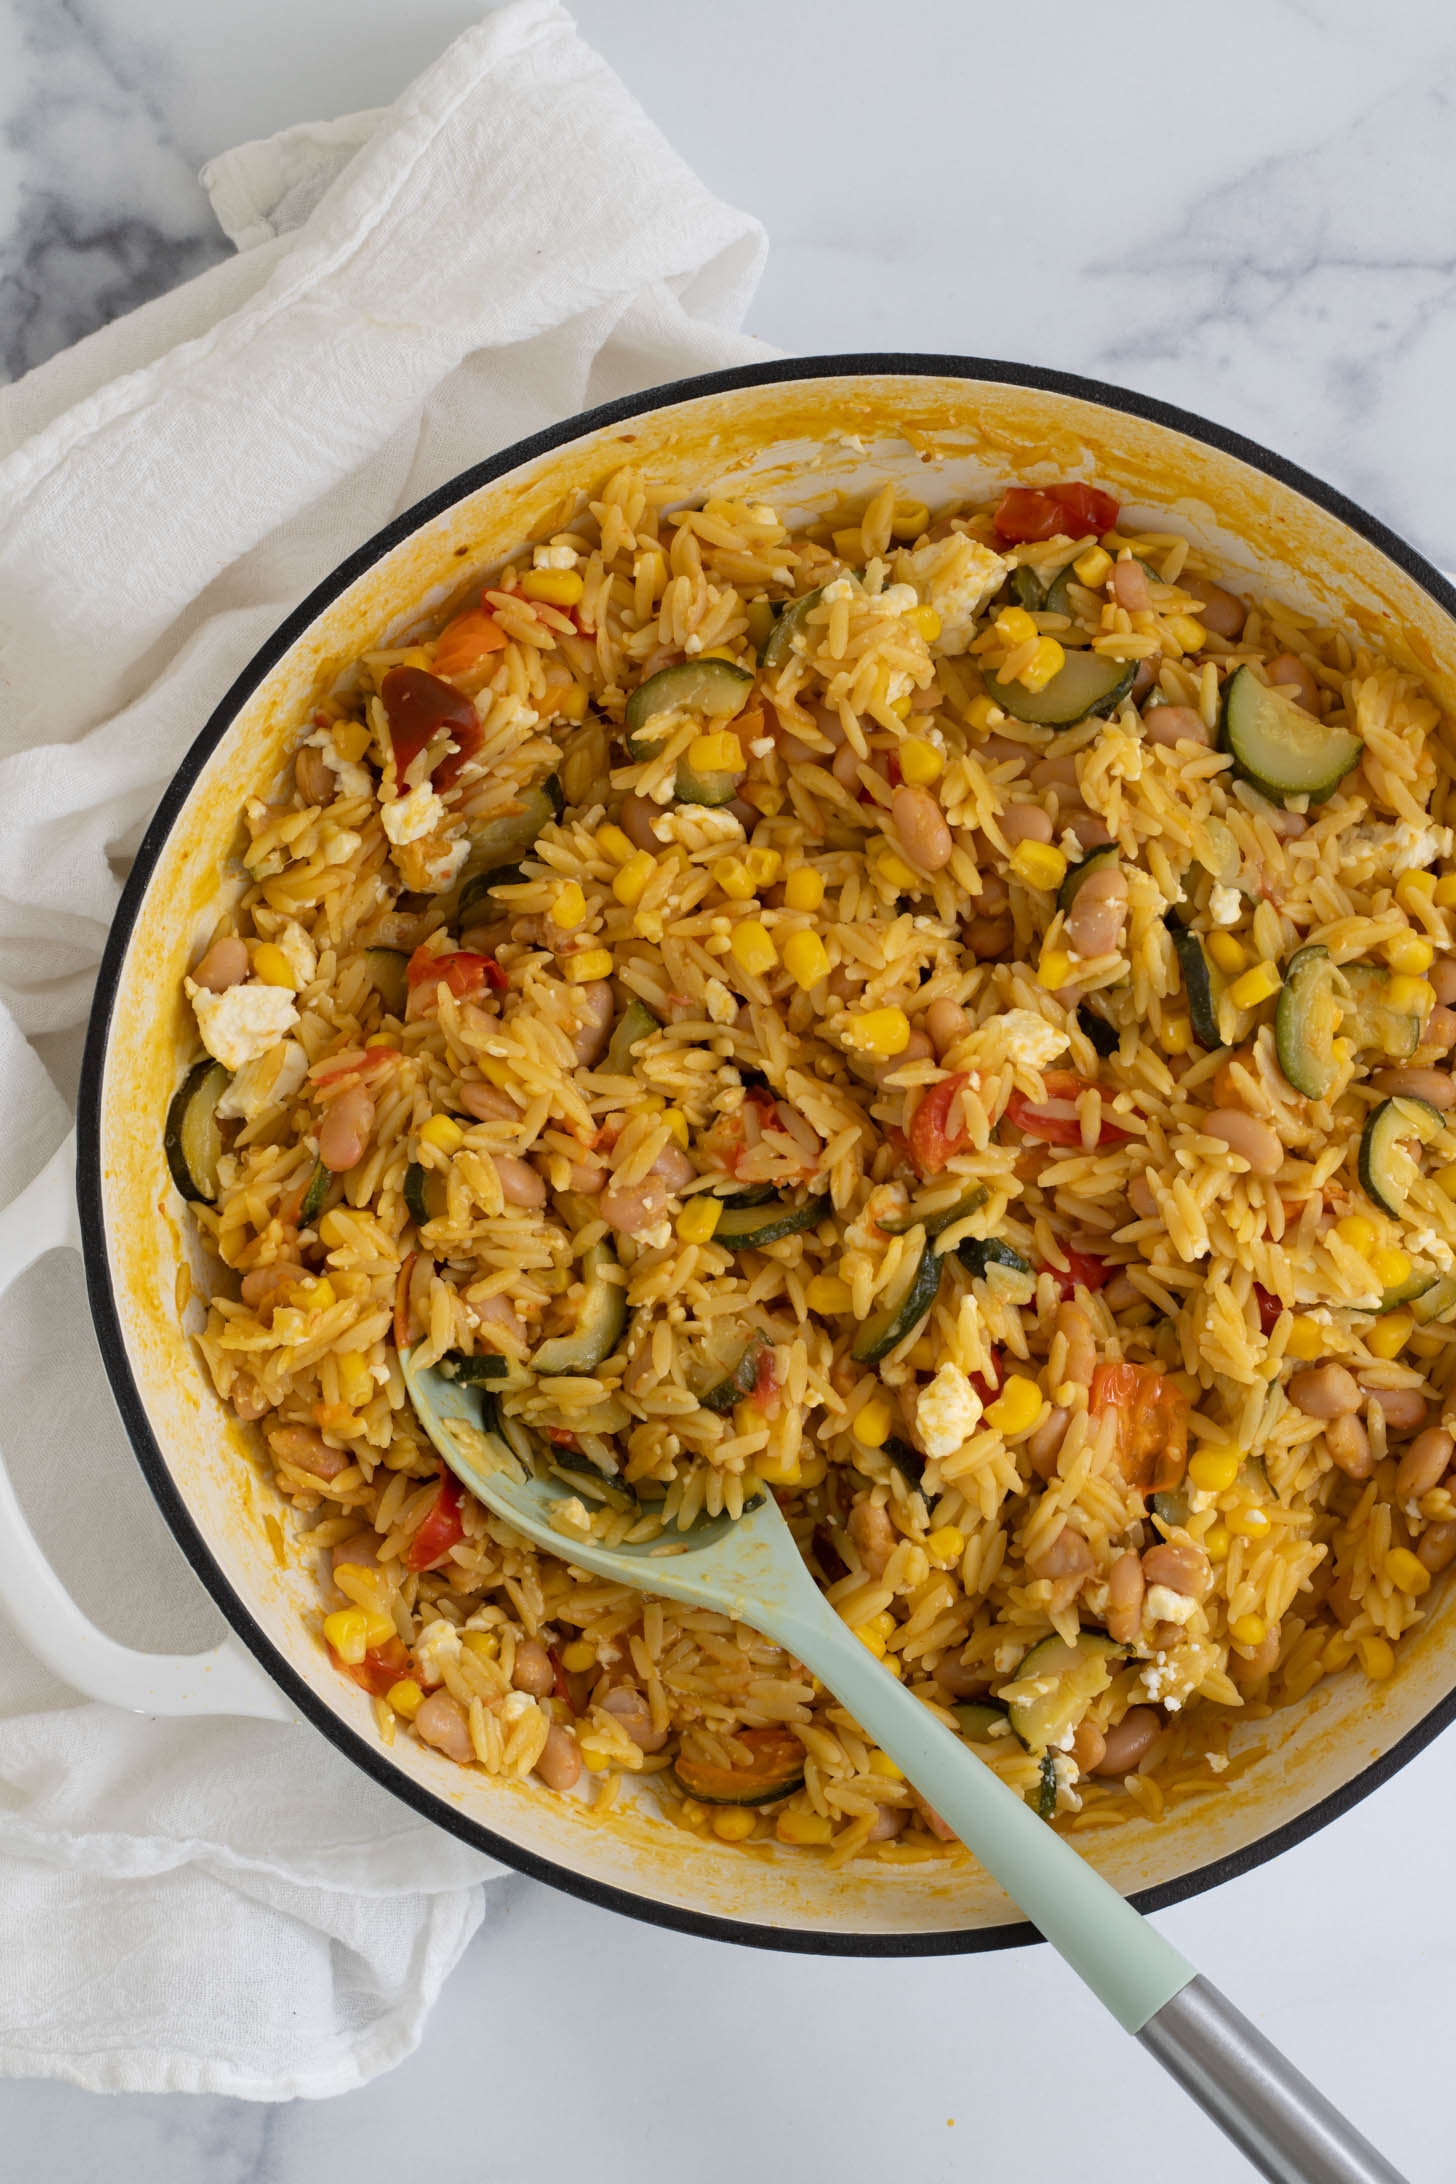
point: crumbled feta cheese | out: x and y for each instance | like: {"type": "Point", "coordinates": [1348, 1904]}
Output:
{"type": "Point", "coordinates": [554, 557]}
{"type": "Point", "coordinates": [1163, 1605]}
{"type": "Point", "coordinates": [352, 778]}
{"type": "Point", "coordinates": [1395, 847]}
{"type": "Point", "coordinates": [239, 1025]}
{"type": "Point", "coordinates": [343, 847]}
{"type": "Point", "coordinates": [299, 951]}
{"type": "Point", "coordinates": [1008, 1656]}
{"type": "Point", "coordinates": [437, 869]}
{"type": "Point", "coordinates": [722, 1005]}
{"type": "Point", "coordinates": [692, 644]}
{"type": "Point", "coordinates": [436, 1648]}
{"type": "Point", "coordinates": [1065, 1770]}
{"type": "Point", "coordinates": [760, 746]}
{"type": "Point", "coordinates": [1429, 1243]}
{"type": "Point", "coordinates": [1225, 905]}
{"type": "Point", "coordinates": [268, 1081]}
{"type": "Point", "coordinates": [894, 599]}
{"type": "Point", "coordinates": [656, 1238]}
{"type": "Point", "coordinates": [1217, 1761]}
{"type": "Point", "coordinates": [841, 588]}
{"type": "Point", "coordinates": [956, 576]}
{"type": "Point", "coordinates": [410, 818]}
{"type": "Point", "coordinates": [947, 1412]}
{"type": "Point", "coordinates": [1030, 1039]}
{"type": "Point", "coordinates": [514, 1706]}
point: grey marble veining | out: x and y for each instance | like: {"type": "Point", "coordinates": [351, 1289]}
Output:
{"type": "Point", "coordinates": [1248, 211]}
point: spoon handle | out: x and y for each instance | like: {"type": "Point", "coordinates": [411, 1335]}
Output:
{"type": "Point", "coordinates": [1276, 2117]}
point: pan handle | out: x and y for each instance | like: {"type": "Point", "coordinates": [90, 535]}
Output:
{"type": "Point", "coordinates": [45, 1617]}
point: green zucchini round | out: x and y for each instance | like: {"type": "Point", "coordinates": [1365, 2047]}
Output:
{"type": "Point", "coordinates": [1381, 1160]}
{"type": "Point", "coordinates": [1087, 683]}
{"type": "Point", "coordinates": [717, 689]}
{"type": "Point", "coordinates": [1306, 1020]}
{"type": "Point", "coordinates": [914, 1294]}
{"type": "Point", "coordinates": [1277, 747]}
{"type": "Point", "coordinates": [192, 1135]}
{"type": "Point", "coordinates": [778, 648]}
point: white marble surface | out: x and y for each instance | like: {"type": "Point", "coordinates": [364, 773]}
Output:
{"type": "Point", "coordinates": [1247, 210]}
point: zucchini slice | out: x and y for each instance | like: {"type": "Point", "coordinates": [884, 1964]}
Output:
{"type": "Point", "coordinates": [749, 1228]}
{"type": "Point", "coordinates": [907, 1461]}
{"type": "Point", "coordinates": [505, 840]}
{"type": "Point", "coordinates": [1279, 748]}
{"type": "Point", "coordinates": [1087, 684]}
{"type": "Point", "coordinates": [983, 1721]}
{"type": "Point", "coordinates": [1172, 1506]}
{"type": "Point", "coordinates": [1200, 985]}
{"type": "Point", "coordinates": [192, 1134]}
{"type": "Point", "coordinates": [424, 1193]}
{"type": "Point", "coordinates": [387, 970]}
{"type": "Point", "coordinates": [934, 1210]}
{"type": "Point", "coordinates": [779, 647]}
{"type": "Point", "coordinates": [473, 1372]}
{"type": "Point", "coordinates": [476, 894]}
{"type": "Point", "coordinates": [1044, 1799]}
{"type": "Point", "coordinates": [1436, 1303]}
{"type": "Point", "coordinates": [1065, 1679]}
{"type": "Point", "coordinates": [978, 1254]}
{"type": "Point", "coordinates": [1026, 588]}
{"type": "Point", "coordinates": [1057, 599]}
{"type": "Point", "coordinates": [1410, 1291]}
{"type": "Point", "coordinates": [713, 789]}
{"type": "Point", "coordinates": [762, 616]}
{"type": "Point", "coordinates": [1387, 1169]}
{"type": "Point", "coordinates": [1370, 1021]}
{"type": "Point", "coordinates": [715, 688]}
{"type": "Point", "coordinates": [776, 1772]}
{"type": "Point", "coordinates": [313, 1198]}
{"type": "Point", "coordinates": [582, 1476]}
{"type": "Point", "coordinates": [1105, 1037]}
{"type": "Point", "coordinates": [635, 1023]}
{"type": "Point", "coordinates": [738, 1383]}
{"type": "Point", "coordinates": [1094, 861]}
{"type": "Point", "coordinates": [599, 1323]}
{"type": "Point", "coordinates": [1306, 1020]}
{"type": "Point", "coordinates": [913, 1295]}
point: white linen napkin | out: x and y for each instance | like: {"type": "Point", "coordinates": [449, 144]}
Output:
{"type": "Point", "coordinates": [229, 1906]}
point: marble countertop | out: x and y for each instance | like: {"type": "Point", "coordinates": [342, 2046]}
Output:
{"type": "Point", "coordinates": [1244, 210]}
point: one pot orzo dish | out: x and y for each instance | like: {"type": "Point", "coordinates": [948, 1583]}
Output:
{"type": "Point", "coordinates": [942, 1018]}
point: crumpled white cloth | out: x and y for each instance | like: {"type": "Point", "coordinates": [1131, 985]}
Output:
{"type": "Point", "coordinates": [229, 1906]}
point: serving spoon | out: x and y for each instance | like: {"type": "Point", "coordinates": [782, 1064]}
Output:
{"type": "Point", "coordinates": [749, 1568]}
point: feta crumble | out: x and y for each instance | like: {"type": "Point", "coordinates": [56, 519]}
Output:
{"type": "Point", "coordinates": [410, 818]}
{"type": "Point", "coordinates": [269, 1081]}
{"type": "Point", "coordinates": [241, 1024]}
{"type": "Point", "coordinates": [1225, 905]}
{"type": "Point", "coordinates": [554, 557]}
{"type": "Point", "coordinates": [955, 576]}
{"type": "Point", "coordinates": [1163, 1605]}
{"type": "Point", "coordinates": [947, 1412]}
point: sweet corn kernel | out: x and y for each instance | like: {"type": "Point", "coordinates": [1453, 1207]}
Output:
{"type": "Point", "coordinates": [613, 843]}
{"type": "Point", "coordinates": [1445, 895]}
{"type": "Point", "coordinates": [900, 706]}
{"type": "Point", "coordinates": [1410, 954]}
{"type": "Point", "coordinates": [873, 1422]}
{"type": "Point", "coordinates": [804, 888]}
{"type": "Point", "coordinates": [591, 963]}
{"type": "Point", "coordinates": [813, 1468]}
{"type": "Point", "coordinates": [803, 1827]}
{"type": "Point", "coordinates": [1230, 955]}
{"type": "Point", "coordinates": [1392, 1265]}
{"type": "Point", "coordinates": [1250, 1522]}
{"type": "Point", "coordinates": [882, 1032]}
{"type": "Point", "coordinates": [1259, 984]}
{"type": "Point", "coordinates": [362, 1587]}
{"type": "Point", "coordinates": [827, 1293]}
{"type": "Point", "coordinates": [351, 739]}
{"type": "Point", "coordinates": [1407, 1572]}
{"type": "Point", "coordinates": [315, 1294]}
{"type": "Point", "coordinates": [1189, 632]}
{"type": "Point", "coordinates": [885, 1624]}
{"type": "Point", "coordinates": [925, 622]}
{"type": "Point", "coordinates": [1410, 996]}
{"type": "Point", "coordinates": [1048, 659]}
{"type": "Point", "coordinates": [777, 1467]}
{"type": "Point", "coordinates": [1357, 1232]}
{"type": "Point", "coordinates": [717, 752]}
{"type": "Point", "coordinates": [572, 703]}
{"type": "Point", "coordinates": [945, 1545]}
{"type": "Point", "coordinates": [909, 520]}
{"type": "Point", "coordinates": [698, 1219]}
{"type": "Point", "coordinates": [1213, 1470]}
{"type": "Point", "coordinates": [1092, 567]}
{"type": "Point", "coordinates": [692, 1812]}
{"type": "Point", "coordinates": [1248, 1631]}
{"type": "Point", "coordinates": [806, 958]}
{"type": "Point", "coordinates": [1176, 1035]}
{"type": "Point", "coordinates": [893, 871]}
{"type": "Point", "coordinates": [384, 1039]}
{"type": "Point", "coordinates": [378, 1627]}
{"type": "Point", "coordinates": [895, 1667]}
{"type": "Point", "coordinates": [553, 587]}
{"type": "Point", "coordinates": [734, 1823]}
{"type": "Point", "coordinates": [848, 545]}
{"type": "Point", "coordinates": [1445, 1179]}
{"type": "Point", "coordinates": [753, 948]}
{"type": "Point", "coordinates": [444, 1133]}
{"type": "Point", "coordinates": [569, 908]}
{"type": "Point", "coordinates": [920, 762]}
{"type": "Point", "coordinates": [764, 863]}
{"type": "Point", "coordinates": [1017, 1407]}
{"type": "Point", "coordinates": [1216, 1541]}
{"type": "Point", "coordinates": [1306, 1339]}
{"type": "Point", "coordinates": [635, 877]}
{"type": "Point", "coordinates": [984, 712]}
{"type": "Point", "coordinates": [578, 1657]}
{"type": "Point", "coordinates": [347, 1631]}
{"type": "Point", "coordinates": [405, 1697]}
{"type": "Point", "coordinates": [1377, 1657]}
{"type": "Point", "coordinates": [1039, 864]}
{"type": "Point", "coordinates": [272, 966]}
{"type": "Point", "coordinates": [735, 879]}
{"type": "Point", "coordinates": [484, 1644]}
{"type": "Point", "coordinates": [1054, 969]}
{"type": "Point", "coordinates": [334, 1227]}
{"type": "Point", "coordinates": [1014, 626]}
{"type": "Point", "coordinates": [881, 1764]}
{"type": "Point", "coordinates": [1415, 891]}
{"type": "Point", "coordinates": [677, 1122]}
{"type": "Point", "coordinates": [355, 1379]}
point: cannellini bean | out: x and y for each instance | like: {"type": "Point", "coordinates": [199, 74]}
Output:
{"type": "Point", "coordinates": [1438, 1033]}
{"type": "Point", "coordinates": [313, 775]}
{"type": "Point", "coordinates": [917, 1048]}
{"type": "Point", "coordinates": [519, 1182]}
{"type": "Point", "coordinates": [498, 1311]}
{"type": "Point", "coordinates": [487, 1104]}
{"type": "Point", "coordinates": [1259, 1661]}
{"type": "Point", "coordinates": [1044, 1445]}
{"type": "Point", "coordinates": [675, 1168]}
{"type": "Point", "coordinates": [261, 1285]}
{"type": "Point", "coordinates": [1127, 1741]}
{"type": "Point", "coordinates": [1424, 1464]}
{"type": "Point", "coordinates": [1349, 1446]}
{"type": "Point", "coordinates": [485, 939]}
{"type": "Point", "coordinates": [1405, 1409]}
{"type": "Point", "coordinates": [1057, 773]}
{"type": "Point", "coordinates": [360, 1548]}
{"type": "Point", "coordinates": [940, 1829]}
{"type": "Point", "coordinates": [1088, 828]}
{"type": "Point", "coordinates": [1089, 1747]}
{"type": "Point", "coordinates": [1170, 724]}
{"type": "Point", "coordinates": [1442, 976]}
{"type": "Point", "coordinates": [1025, 823]}
{"type": "Point", "coordinates": [1287, 672]}
{"type": "Point", "coordinates": [1140, 1197]}
{"type": "Point", "coordinates": [1125, 1589]}
{"type": "Point", "coordinates": [595, 1009]}
{"type": "Point", "coordinates": [587, 1177]}
{"type": "Point", "coordinates": [1099, 911]}
{"type": "Point", "coordinates": [442, 1721]}
{"type": "Point", "coordinates": [1437, 1549]}
{"type": "Point", "coordinates": [247, 1398]}
{"type": "Point", "coordinates": [1244, 1135]}
{"type": "Point", "coordinates": [845, 767]}
{"type": "Point", "coordinates": [1130, 587]}
{"type": "Point", "coordinates": [631, 1709]}
{"type": "Point", "coordinates": [1325, 1391]}
{"type": "Point", "coordinates": [920, 824]}
{"type": "Point", "coordinates": [954, 1677]}
{"type": "Point", "coordinates": [945, 1022]}
{"type": "Point", "coordinates": [345, 1130]}
{"type": "Point", "coordinates": [305, 1449]}
{"type": "Point", "coordinates": [1436, 1086]}
{"type": "Point", "coordinates": [1122, 1294]}
{"type": "Point", "coordinates": [1223, 615]}
{"type": "Point", "coordinates": [225, 964]}
{"type": "Point", "coordinates": [1004, 751]}
{"type": "Point", "coordinates": [874, 1535]}
{"type": "Point", "coordinates": [1066, 1555]}
{"type": "Point", "coordinates": [1147, 674]}
{"type": "Point", "coordinates": [630, 1209]}
{"type": "Point", "coordinates": [1073, 1325]}
{"type": "Point", "coordinates": [532, 1670]}
{"type": "Point", "coordinates": [1288, 825]}
{"type": "Point", "coordinates": [635, 819]}
{"type": "Point", "coordinates": [987, 939]}
{"type": "Point", "coordinates": [888, 1822]}
{"type": "Point", "coordinates": [1179, 1565]}
{"type": "Point", "coordinates": [560, 1763]}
